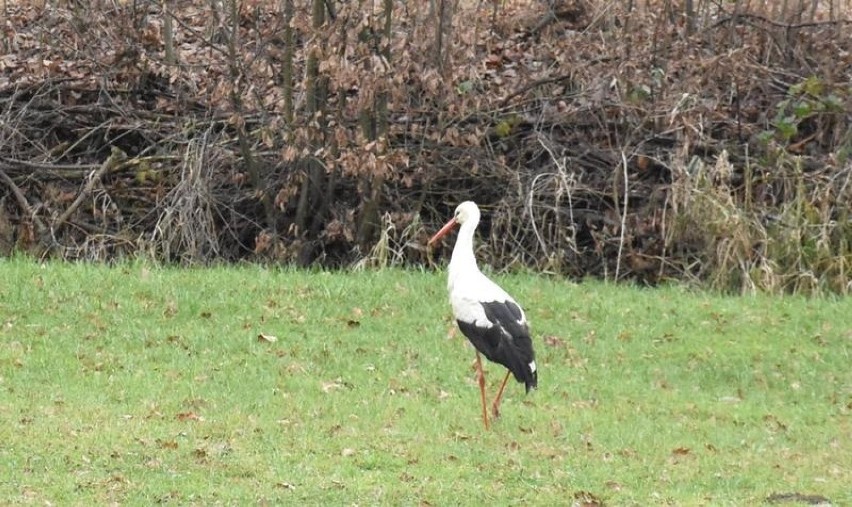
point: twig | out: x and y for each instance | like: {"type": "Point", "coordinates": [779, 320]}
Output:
{"type": "Point", "coordinates": [534, 84]}
{"type": "Point", "coordinates": [623, 216]}
{"type": "Point", "coordinates": [742, 15]}
{"type": "Point", "coordinates": [116, 157]}
{"type": "Point", "coordinates": [49, 167]}
{"type": "Point", "coordinates": [19, 196]}
{"type": "Point", "coordinates": [541, 241]}
{"type": "Point", "coordinates": [206, 41]}
{"type": "Point", "coordinates": [566, 182]}
{"type": "Point", "coordinates": [22, 201]}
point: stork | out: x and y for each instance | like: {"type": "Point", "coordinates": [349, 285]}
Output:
{"type": "Point", "coordinates": [493, 322]}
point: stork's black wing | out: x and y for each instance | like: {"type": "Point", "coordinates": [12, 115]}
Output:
{"type": "Point", "coordinates": [506, 340]}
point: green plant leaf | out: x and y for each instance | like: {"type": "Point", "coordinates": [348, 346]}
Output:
{"type": "Point", "coordinates": [787, 127]}
{"type": "Point", "coordinates": [814, 86]}
{"type": "Point", "coordinates": [833, 103]}
{"type": "Point", "coordinates": [802, 109]}
{"type": "Point", "coordinates": [465, 87]}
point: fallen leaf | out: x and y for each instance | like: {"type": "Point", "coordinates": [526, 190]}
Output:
{"type": "Point", "coordinates": [586, 499]}
{"type": "Point", "coordinates": [729, 399]}
{"type": "Point", "coordinates": [798, 498]}
{"type": "Point", "coordinates": [554, 341]}
{"type": "Point", "coordinates": [680, 451]}
{"type": "Point", "coordinates": [167, 444]}
{"type": "Point", "coordinates": [189, 416]}
{"type": "Point", "coordinates": [627, 452]}
{"type": "Point", "coordinates": [774, 423]}
{"type": "Point", "coordinates": [171, 309]}
{"type": "Point", "coordinates": [332, 385]}
{"type": "Point", "coordinates": [268, 338]}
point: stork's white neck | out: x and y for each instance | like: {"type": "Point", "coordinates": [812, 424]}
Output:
{"type": "Point", "coordinates": [463, 259]}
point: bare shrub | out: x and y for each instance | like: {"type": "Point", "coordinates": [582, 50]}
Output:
{"type": "Point", "coordinates": [629, 140]}
{"type": "Point", "coordinates": [186, 228]}
{"type": "Point", "coordinates": [801, 246]}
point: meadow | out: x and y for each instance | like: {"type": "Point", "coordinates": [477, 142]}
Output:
{"type": "Point", "coordinates": [136, 384]}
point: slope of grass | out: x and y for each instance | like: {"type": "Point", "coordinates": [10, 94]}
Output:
{"type": "Point", "coordinates": [135, 384]}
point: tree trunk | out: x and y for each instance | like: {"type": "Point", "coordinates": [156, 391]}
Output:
{"type": "Point", "coordinates": [289, 55]}
{"type": "Point", "coordinates": [257, 176]}
{"type": "Point", "coordinates": [374, 125]}
{"type": "Point", "coordinates": [443, 33]}
{"type": "Point", "coordinates": [311, 193]}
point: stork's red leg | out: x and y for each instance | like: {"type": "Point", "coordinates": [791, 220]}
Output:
{"type": "Point", "coordinates": [481, 376]}
{"type": "Point", "coordinates": [495, 407]}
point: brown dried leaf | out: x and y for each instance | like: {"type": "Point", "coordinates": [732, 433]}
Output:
{"type": "Point", "coordinates": [586, 499]}
{"type": "Point", "coordinates": [553, 341]}
{"type": "Point", "coordinates": [167, 444]}
{"type": "Point", "coordinates": [189, 416]}
{"type": "Point", "coordinates": [335, 384]}
{"type": "Point", "coordinates": [266, 338]}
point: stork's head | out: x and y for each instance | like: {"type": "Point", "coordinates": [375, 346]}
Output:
{"type": "Point", "coordinates": [465, 212]}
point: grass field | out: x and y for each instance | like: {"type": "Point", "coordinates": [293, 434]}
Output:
{"type": "Point", "coordinates": [136, 385]}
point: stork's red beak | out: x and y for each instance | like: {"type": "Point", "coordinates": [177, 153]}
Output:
{"type": "Point", "coordinates": [445, 229]}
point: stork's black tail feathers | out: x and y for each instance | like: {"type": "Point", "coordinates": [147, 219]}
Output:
{"type": "Point", "coordinates": [520, 360]}
{"type": "Point", "coordinates": [525, 373]}
{"type": "Point", "coordinates": [532, 381]}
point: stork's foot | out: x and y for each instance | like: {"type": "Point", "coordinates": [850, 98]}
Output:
{"type": "Point", "coordinates": [481, 378]}
{"type": "Point", "coordinates": [495, 405]}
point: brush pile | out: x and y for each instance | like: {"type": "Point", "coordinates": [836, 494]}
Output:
{"type": "Point", "coordinates": [651, 140]}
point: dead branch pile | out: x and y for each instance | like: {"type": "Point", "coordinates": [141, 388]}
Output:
{"type": "Point", "coordinates": [644, 140]}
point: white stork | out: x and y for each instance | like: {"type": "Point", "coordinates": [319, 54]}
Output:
{"type": "Point", "coordinates": [493, 322]}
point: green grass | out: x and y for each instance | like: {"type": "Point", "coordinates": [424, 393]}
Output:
{"type": "Point", "coordinates": [135, 384]}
